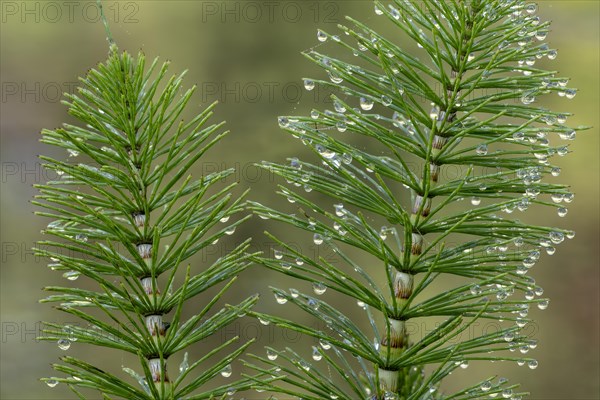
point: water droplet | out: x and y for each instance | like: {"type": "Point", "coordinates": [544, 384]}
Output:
{"type": "Point", "coordinates": [532, 364]}
{"type": "Point", "coordinates": [570, 93]}
{"type": "Point", "coordinates": [390, 396]}
{"type": "Point", "coordinates": [272, 355]}
{"type": "Point", "coordinates": [321, 36]}
{"type": "Point", "coordinates": [230, 391]}
{"type": "Point", "coordinates": [226, 371]}
{"type": "Point", "coordinates": [552, 54]}
{"type": "Point", "coordinates": [486, 386]}
{"type": "Point", "coordinates": [324, 344]}
{"type": "Point", "coordinates": [527, 98]}
{"type": "Point", "coordinates": [317, 239]}
{"type": "Point", "coordinates": [529, 295]}
{"type": "Point", "coordinates": [304, 365]}
{"type": "Point", "coordinates": [471, 57]}
{"type": "Point", "coordinates": [555, 171]}
{"type": "Point", "coordinates": [263, 321]}
{"type": "Point", "coordinates": [542, 305]}
{"type": "Point", "coordinates": [435, 112]}
{"type": "Point", "coordinates": [339, 106]}
{"type": "Point", "coordinates": [509, 336]}
{"type": "Point", "coordinates": [518, 136]}
{"type": "Point", "coordinates": [224, 219]}
{"type": "Point", "coordinates": [277, 254]}
{"type": "Point", "coordinates": [314, 114]}
{"type": "Point", "coordinates": [312, 303]}
{"type": "Point", "coordinates": [280, 298]}
{"type": "Point", "coordinates": [475, 200]}
{"type": "Point", "coordinates": [334, 77]}
{"type": "Point", "coordinates": [339, 210]}
{"type": "Point", "coordinates": [294, 293]}
{"type": "Point", "coordinates": [51, 383]}
{"type": "Point", "coordinates": [284, 122]}
{"type": "Point", "coordinates": [568, 197]}
{"type": "Point", "coordinates": [562, 211]}
{"type": "Point", "coordinates": [366, 104]}
{"type": "Point", "coordinates": [386, 100]}
{"type": "Point", "coordinates": [325, 152]}
{"type": "Point", "coordinates": [184, 364]}
{"type": "Point", "coordinates": [556, 237]}
{"type": "Point", "coordinates": [309, 84]}
{"type": "Point", "coordinates": [531, 8]}
{"type": "Point", "coordinates": [316, 355]}
{"type": "Point", "coordinates": [482, 150]}
{"type": "Point", "coordinates": [319, 288]}
{"type": "Point", "coordinates": [230, 231]}
{"type": "Point", "coordinates": [541, 35]}
{"type": "Point", "coordinates": [71, 275]}
{"type": "Point", "coordinates": [286, 266]}
{"type": "Point", "coordinates": [64, 344]}
{"type": "Point", "coordinates": [475, 290]}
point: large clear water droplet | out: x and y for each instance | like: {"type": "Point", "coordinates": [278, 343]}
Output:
{"type": "Point", "coordinates": [64, 344]}
{"type": "Point", "coordinates": [319, 288]}
{"type": "Point", "coordinates": [527, 98]}
{"type": "Point", "coordinates": [486, 386]}
{"type": "Point", "coordinates": [321, 36]}
{"type": "Point", "coordinates": [280, 298]}
{"type": "Point", "coordinates": [184, 364]}
{"type": "Point", "coordinates": [366, 104]}
{"type": "Point", "coordinates": [316, 355]}
{"type": "Point", "coordinates": [317, 239]}
{"type": "Point", "coordinates": [324, 344]}
{"type": "Point", "coordinates": [272, 355]}
{"type": "Point", "coordinates": [71, 275]}
{"type": "Point", "coordinates": [284, 122]}
{"type": "Point", "coordinates": [51, 383]}
{"type": "Point", "coordinates": [482, 149]}
{"type": "Point", "coordinates": [309, 84]}
{"type": "Point", "coordinates": [226, 371]}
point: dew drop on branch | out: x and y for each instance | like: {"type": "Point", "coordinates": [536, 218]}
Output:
{"type": "Point", "coordinates": [280, 298]}
{"type": "Point", "coordinates": [226, 371]}
{"type": "Point", "coordinates": [184, 364]}
{"type": "Point", "coordinates": [64, 344]}
{"type": "Point", "coordinates": [309, 84]}
{"type": "Point", "coordinates": [51, 383]}
{"type": "Point", "coordinates": [319, 288]}
{"type": "Point", "coordinates": [321, 36]}
{"type": "Point", "coordinates": [316, 355]}
{"type": "Point", "coordinates": [366, 104]}
{"type": "Point", "coordinates": [317, 239]}
{"type": "Point", "coordinates": [272, 355]}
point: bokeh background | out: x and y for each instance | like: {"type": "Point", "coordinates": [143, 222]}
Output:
{"type": "Point", "coordinates": [247, 56]}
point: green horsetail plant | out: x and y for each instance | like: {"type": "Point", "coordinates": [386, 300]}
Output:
{"type": "Point", "coordinates": [127, 217]}
{"type": "Point", "coordinates": [412, 135]}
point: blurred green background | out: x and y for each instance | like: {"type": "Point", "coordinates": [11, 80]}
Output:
{"type": "Point", "coordinates": [247, 56]}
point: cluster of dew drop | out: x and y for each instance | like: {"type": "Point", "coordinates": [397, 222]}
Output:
{"type": "Point", "coordinates": [529, 176]}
